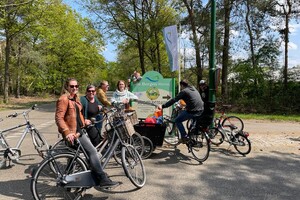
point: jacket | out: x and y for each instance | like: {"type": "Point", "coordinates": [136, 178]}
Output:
{"type": "Point", "coordinates": [84, 102]}
{"type": "Point", "coordinates": [65, 115]}
{"type": "Point", "coordinates": [102, 97]}
{"type": "Point", "coordinates": [120, 96]}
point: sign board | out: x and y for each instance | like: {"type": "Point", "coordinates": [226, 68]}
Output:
{"type": "Point", "coordinates": [152, 88]}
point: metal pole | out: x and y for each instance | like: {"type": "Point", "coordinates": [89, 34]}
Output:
{"type": "Point", "coordinates": [212, 67]}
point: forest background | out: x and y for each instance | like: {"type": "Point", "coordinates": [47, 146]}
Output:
{"type": "Point", "coordinates": [42, 42]}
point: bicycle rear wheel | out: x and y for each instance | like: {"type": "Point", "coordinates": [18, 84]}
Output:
{"type": "Point", "coordinates": [172, 133]}
{"type": "Point", "coordinates": [39, 142]}
{"type": "Point", "coordinates": [149, 148]}
{"type": "Point", "coordinates": [199, 145]}
{"type": "Point", "coordinates": [47, 183]}
{"type": "Point", "coordinates": [133, 166]}
{"type": "Point", "coordinates": [233, 123]}
{"type": "Point", "coordinates": [242, 144]}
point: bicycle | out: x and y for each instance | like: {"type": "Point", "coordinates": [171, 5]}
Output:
{"type": "Point", "coordinates": [237, 138]}
{"type": "Point", "coordinates": [48, 177]}
{"type": "Point", "coordinates": [198, 142]}
{"type": "Point", "coordinates": [13, 153]}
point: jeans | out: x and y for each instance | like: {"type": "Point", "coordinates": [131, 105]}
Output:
{"type": "Point", "coordinates": [183, 116]}
{"type": "Point", "coordinates": [93, 156]}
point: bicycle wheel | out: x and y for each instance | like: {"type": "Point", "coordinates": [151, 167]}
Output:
{"type": "Point", "coordinates": [172, 133]}
{"type": "Point", "coordinates": [233, 123]}
{"type": "Point", "coordinates": [216, 136]}
{"type": "Point", "coordinates": [242, 144]}
{"type": "Point", "coordinates": [199, 145]}
{"type": "Point", "coordinates": [47, 183]}
{"type": "Point", "coordinates": [135, 140]}
{"type": "Point", "coordinates": [149, 148]}
{"type": "Point", "coordinates": [133, 166]}
{"type": "Point", "coordinates": [39, 142]}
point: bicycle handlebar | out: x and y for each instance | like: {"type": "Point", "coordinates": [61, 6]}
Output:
{"type": "Point", "coordinates": [34, 107]}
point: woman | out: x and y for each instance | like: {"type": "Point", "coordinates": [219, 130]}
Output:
{"type": "Point", "coordinates": [122, 95]}
{"type": "Point", "coordinates": [91, 106]}
{"type": "Point", "coordinates": [70, 122]}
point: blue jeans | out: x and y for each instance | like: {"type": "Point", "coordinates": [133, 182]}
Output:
{"type": "Point", "coordinates": [183, 116]}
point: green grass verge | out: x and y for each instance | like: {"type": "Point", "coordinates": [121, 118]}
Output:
{"type": "Point", "coordinates": [295, 118]}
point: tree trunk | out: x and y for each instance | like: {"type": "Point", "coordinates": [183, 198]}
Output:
{"type": "Point", "coordinates": [6, 70]}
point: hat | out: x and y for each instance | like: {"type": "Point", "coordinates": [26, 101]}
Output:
{"type": "Point", "coordinates": [202, 82]}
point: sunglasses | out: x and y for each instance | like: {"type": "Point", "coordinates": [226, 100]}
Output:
{"type": "Point", "coordinates": [91, 91]}
{"type": "Point", "coordinates": [74, 86]}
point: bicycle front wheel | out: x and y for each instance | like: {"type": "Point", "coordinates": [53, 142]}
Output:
{"type": "Point", "coordinates": [48, 179]}
{"type": "Point", "coordinates": [149, 148]}
{"type": "Point", "coordinates": [233, 123]}
{"type": "Point", "coordinates": [39, 142]}
{"type": "Point", "coordinates": [199, 145]}
{"type": "Point", "coordinates": [172, 134]}
{"type": "Point", "coordinates": [133, 166]}
{"type": "Point", "coordinates": [242, 144]}
{"type": "Point", "coordinates": [216, 136]}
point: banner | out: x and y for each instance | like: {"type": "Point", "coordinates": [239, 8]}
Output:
{"type": "Point", "coordinates": [171, 41]}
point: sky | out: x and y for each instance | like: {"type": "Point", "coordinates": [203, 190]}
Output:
{"type": "Point", "coordinates": [294, 44]}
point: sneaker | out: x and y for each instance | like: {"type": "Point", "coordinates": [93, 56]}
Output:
{"type": "Point", "coordinates": [107, 183]}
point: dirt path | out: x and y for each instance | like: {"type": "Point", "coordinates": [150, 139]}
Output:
{"type": "Point", "coordinates": [271, 136]}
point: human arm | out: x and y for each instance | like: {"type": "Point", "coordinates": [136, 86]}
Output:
{"type": "Point", "coordinates": [102, 98]}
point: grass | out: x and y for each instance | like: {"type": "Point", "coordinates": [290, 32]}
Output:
{"type": "Point", "coordinates": [295, 118]}
{"type": "Point", "coordinates": [25, 102]}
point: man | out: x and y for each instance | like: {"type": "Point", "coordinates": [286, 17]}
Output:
{"type": "Point", "coordinates": [101, 93]}
{"type": "Point", "coordinates": [194, 106]}
{"type": "Point", "coordinates": [204, 92]}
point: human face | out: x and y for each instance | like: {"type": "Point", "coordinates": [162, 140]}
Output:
{"type": "Point", "coordinates": [90, 93]}
{"type": "Point", "coordinates": [73, 87]}
{"type": "Point", "coordinates": [105, 86]}
{"type": "Point", "coordinates": [121, 86]}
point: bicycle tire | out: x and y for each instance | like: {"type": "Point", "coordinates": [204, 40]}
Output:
{"type": "Point", "coordinates": [216, 136]}
{"type": "Point", "coordinates": [199, 145]}
{"type": "Point", "coordinates": [136, 140]}
{"type": "Point", "coordinates": [48, 184]}
{"type": "Point", "coordinates": [172, 134]}
{"type": "Point", "coordinates": [133, 166]}
{"type": "Point", "coordinates": [242, 144]}
{"type": "Point", "coordinates": [149, 148]}
{"type": "Point", "coordinates": [40, 143]}
{"type": "Point", "coordinates": [233, 123]}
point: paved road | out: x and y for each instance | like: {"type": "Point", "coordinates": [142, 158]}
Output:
{"type": "Point", "coordinates": [172, 173]}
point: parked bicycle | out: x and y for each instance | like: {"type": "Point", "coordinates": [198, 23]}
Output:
{"type": "Point", "coordinates": [9, 153]}
{"type": "Point", "coordinates": [65, 174]}
{"type": "Point", "coordinates": [232, 135]}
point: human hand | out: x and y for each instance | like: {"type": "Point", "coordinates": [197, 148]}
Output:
{"type": "Point", "coordinates": [159, 107]}
{"type": "Point", "coordinates": [87, 122]}
{"type": "Point", "coordinates": [70, 138]}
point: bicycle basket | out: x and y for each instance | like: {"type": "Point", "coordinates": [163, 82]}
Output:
{"type": "Point", "coordinates": [133, 117]}
{"type": "Point", "coordinates": [124, 128]}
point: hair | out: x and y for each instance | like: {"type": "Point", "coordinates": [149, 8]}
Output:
{"type": "Point", "coordinates": [65, 87]}
{"type": "Point", "coordinates": [184, 83]}
{"type": "Point", "coordinates": [90, 86]}
{"type": "Point", "coordinates": [120, 82]}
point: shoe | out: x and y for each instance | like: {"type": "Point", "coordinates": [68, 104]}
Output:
{"type": "Point", "coordinates": [183, 140]}
{"type": "Point", "coordinates": [107, 183]}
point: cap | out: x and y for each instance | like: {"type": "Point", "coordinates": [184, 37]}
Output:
{"type": "Point", "coordinates": [202, 82]}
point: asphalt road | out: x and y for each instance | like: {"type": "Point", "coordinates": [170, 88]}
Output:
{"type": "Point", "coordinates": [171, 173]}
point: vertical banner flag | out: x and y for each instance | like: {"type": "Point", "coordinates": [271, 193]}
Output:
{"type": "Point", "coordinates": [171, 41]}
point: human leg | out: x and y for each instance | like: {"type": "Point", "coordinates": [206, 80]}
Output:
{"type": "Point", "coordinates": [95, 162]}
{"type": "Point", "coordinates": [183, 116]}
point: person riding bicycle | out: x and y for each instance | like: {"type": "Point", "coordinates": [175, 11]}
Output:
{"type": "Point", "coordinates": [70, 123]}
{"type": "Point", "coordinates": [91, 107]}
{"type": "Point", "coordinates": [122, 95]}
{"type": "Point", "coordinates": [101, 93]}
{"type": "Point", "coordinates": [194, 106]}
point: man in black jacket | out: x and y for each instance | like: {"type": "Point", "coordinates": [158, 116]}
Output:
{"type": "Point", "coordinates": [194, 106]}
